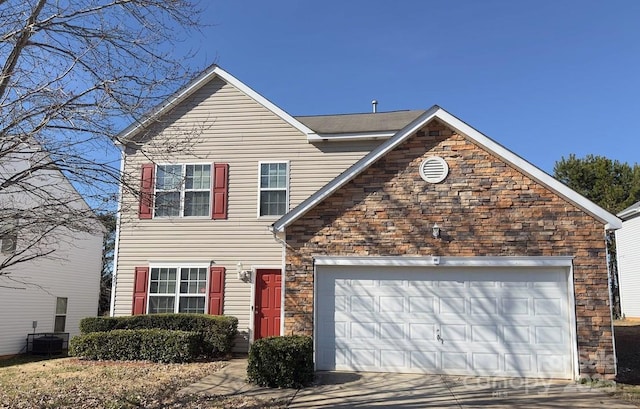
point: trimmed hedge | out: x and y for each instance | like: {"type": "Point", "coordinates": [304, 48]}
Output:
{"type": "Point", "coordinates": [156, 345]}
{"type": "Point", "coordinates": [218, 331]}
{"type": "Point", "coordinates": [283, 362]}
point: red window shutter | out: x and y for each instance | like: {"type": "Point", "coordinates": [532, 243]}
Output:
{"type": "Point", "coordinates": [216, 290]}
{"type": "Point", "coordinates": [145, 210]}
{"type": "Point", "coordinates": [140, 290]}
{"type": "Point", "coordinates": [220, 190]}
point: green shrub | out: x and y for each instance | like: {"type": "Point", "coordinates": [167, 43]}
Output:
{"type": "Point", "coordinates": [156, 345]}
{"type": "Point", "coordinates": [284, 362]}
{"type": "Point", "coordinates": [218, 331]}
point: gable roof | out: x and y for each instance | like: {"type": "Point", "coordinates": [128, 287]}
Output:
{"type": "Point", "coordinates": [630, 212]}
{"type": "Point", "coordinates": [611, 222]}
{"type": "Point", "coordinates": [130, 132]}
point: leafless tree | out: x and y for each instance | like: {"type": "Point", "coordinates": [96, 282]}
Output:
{"type": "Point", "coordinates": [73, 73]}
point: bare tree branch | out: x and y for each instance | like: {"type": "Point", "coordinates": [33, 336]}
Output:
{"type": "Point", "coordinates": [72, 75]}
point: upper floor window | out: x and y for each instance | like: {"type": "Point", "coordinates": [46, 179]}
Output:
{"type": "Point", "coordinates": [183, 190]}
{"type": "Point", "coordinates": [274, 183]}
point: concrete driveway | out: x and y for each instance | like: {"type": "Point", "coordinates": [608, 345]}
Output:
{"type": "Point", "coordinates": [365, 389]}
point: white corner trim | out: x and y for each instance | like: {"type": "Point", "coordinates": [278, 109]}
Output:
{"type": "Point", "coordinates": [445, 261]}
{"type": "Point", "coordinates": [114, 267]}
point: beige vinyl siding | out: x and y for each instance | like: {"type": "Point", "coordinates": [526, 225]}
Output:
{"type": "Point", "coordinates": [226, 126]}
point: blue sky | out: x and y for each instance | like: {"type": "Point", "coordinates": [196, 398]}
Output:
{"type": "Point", "coordinates": [543, 78]}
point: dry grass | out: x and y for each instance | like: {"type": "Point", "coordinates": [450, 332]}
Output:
{"type": "Point", "coordinates": [72, 383]}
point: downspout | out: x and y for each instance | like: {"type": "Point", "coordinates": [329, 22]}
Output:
{"type": "Point", "coordinates": [284, 275]}
{"type": "Point", "coordinates": [114, 272]}
{"type": "Point", "coordinates": [607, 233]}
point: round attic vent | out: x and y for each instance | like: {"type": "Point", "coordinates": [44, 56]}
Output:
{"type": "Point", "coordinates": [434, 169]}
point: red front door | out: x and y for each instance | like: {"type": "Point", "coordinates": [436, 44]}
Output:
{"type": "Point", "coordinates": [267, 309]}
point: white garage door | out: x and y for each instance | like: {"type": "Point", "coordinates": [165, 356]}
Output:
{"type": "Point", "coordinates": [465, 321]}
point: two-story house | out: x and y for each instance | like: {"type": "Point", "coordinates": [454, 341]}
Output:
{"type": "Point", "coordinates": [401, 241]}
{"type": "Point", "coordinates": [51, 254]}
{"type": "Point", "coordinates": [207, 205]}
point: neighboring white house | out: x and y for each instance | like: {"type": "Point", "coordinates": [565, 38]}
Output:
{"type": "Point", "coordinates": [52, 292]}
{"type": "Point", "coordinates": [628, 245]}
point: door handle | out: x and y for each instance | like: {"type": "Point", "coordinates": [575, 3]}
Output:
{"type": "Point", "coordinates": [438, 337]}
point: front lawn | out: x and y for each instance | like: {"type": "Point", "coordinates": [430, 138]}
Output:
{"type": "Point", "coordinates": [73, 383]}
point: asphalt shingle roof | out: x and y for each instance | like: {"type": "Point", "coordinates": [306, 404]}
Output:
{"type": "Point", "coordinates": [360, 123]}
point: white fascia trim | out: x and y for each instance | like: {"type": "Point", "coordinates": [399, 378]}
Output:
{"type": "Point", "coordinates": [350, 136]}
{"type": "Point", "coordinates": [354, 170]}
{"type": "Point", "coordinates": [133, 129]}
{"type": "Point", "coordinates": [611, 221]}
{"type": "Point", "coordinates": [444, 261]}
{"type": "Point", "coordinates": [198, 83]}
{"type": "Point", "coordinates": [263, 101]}
{"type": "Point", "coordinates": [114, 272]}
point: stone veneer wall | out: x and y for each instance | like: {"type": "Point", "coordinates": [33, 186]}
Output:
{"type": "Point", "coordinates": [485, 207]}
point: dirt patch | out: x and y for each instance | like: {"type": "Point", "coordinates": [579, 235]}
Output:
{"type": "Point", "coordinates": [627, 335]}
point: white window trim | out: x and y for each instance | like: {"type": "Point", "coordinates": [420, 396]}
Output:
{"type": "Point", "coordinates": [287, 207]}
{"type": "Point", "coordinates": [178, 266]}
{"type": "Point", "coordinates": [65, 314]}
{"type": "Point", "coordinates": [183, 190]}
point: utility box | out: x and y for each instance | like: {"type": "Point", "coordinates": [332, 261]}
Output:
{"type": "Point", "coordinates": [48, 343]}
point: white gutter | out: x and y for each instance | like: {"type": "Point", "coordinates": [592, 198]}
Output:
{"type": "Point", "coordinates": [349, 136]}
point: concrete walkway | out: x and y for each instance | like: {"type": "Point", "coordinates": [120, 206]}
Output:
{"type": "Point", "coordinates": [364, 389]}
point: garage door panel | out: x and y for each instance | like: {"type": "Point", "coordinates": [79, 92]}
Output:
{"type": "Point", "coordinates": [454, 361]}
{"type": "Point", "coordinates": [515, 306]}
{"type": "Point", "coordinates": [391, 303]}
{"type": "Point", "coordinates": [485, 362]}
{"type": "Point", "coordinates": [517, 334]}
{"type": "Point", "coordinates": [549, 336]}
{"type": "Point", "coordinates": [511, 322]}
{"type": "Point", "coordinates": [519, 364]}
{"type": "Point", "coordinates": [392, 331]}
{"type": "Point", "coordinates": [423, 304]}
{"type": "Point", "coordinates": [484, 333]}
{"type": "Point", "coordinates": [484, 306]}
{"type": "Point", "coordinates": [452, 305]}
{"type": "Point", "coordinates": [547, 306]}
{"type": "Point", "coordinates": [393, 358]}
{"type": "Point", "coordinates": [422, 331]}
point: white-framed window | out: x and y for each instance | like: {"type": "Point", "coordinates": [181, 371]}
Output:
{"type": "Point", "coordinates": [177, 289]}
{"type": "Point", "coordinates": [183, 190]}
{"type": "Point", "coordinates": [60, 321]}
{"type": "Point", "coordinates": [273, 196]}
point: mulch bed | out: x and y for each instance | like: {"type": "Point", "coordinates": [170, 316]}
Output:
{"type": "Point", "coordinates": [628, 353]}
